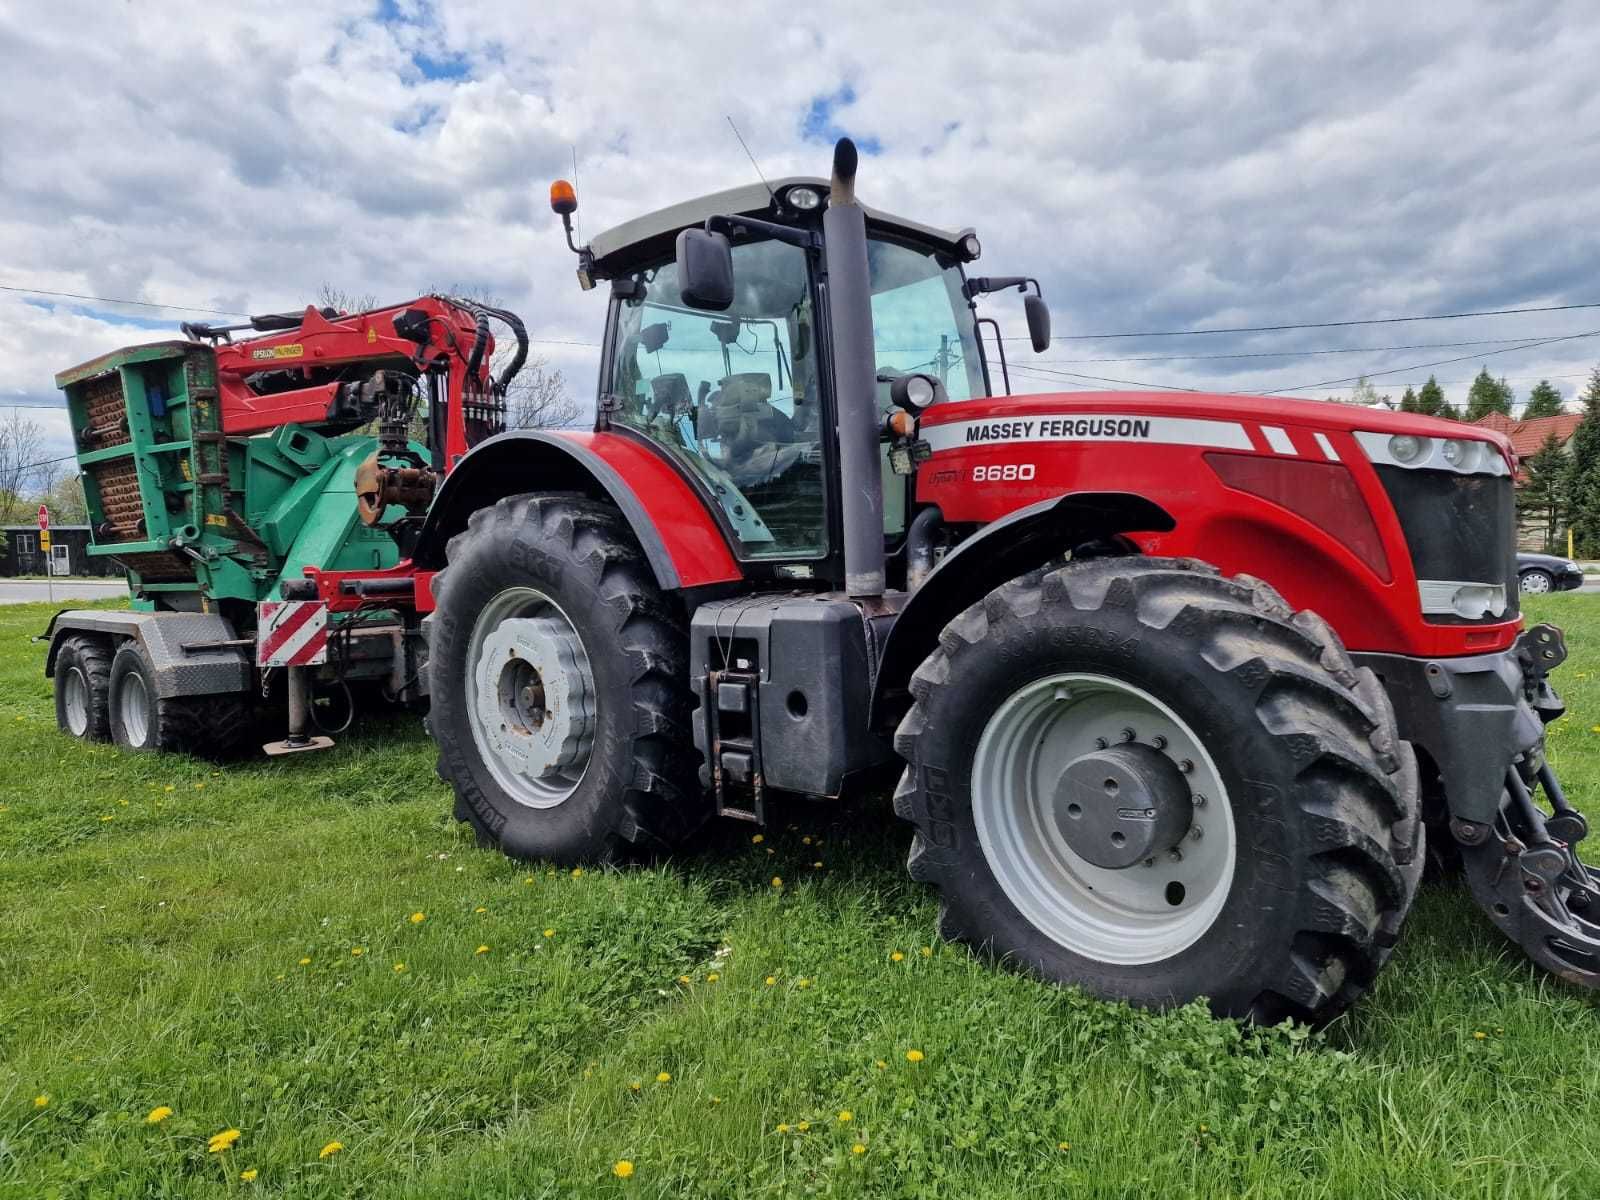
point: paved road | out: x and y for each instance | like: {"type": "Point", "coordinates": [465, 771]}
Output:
{"type": "Point", "coordinates": [24, 591]}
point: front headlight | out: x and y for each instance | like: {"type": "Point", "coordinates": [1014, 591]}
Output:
{"type": "Point", "coordinates": [1574, 568]}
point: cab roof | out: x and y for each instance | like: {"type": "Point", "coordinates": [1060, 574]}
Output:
{"type": "Point", "coordinates": [650, 235]}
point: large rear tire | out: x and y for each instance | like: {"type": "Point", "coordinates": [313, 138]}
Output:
{"type": "Point", "coordinates": [558, 675]}
{"type": "Point", "coordinates": [1142, 778]}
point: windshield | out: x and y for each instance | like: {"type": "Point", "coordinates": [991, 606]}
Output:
{"type": "Point", "coordinates": [921, 320]}
{"type": "Point", "coordinates": [733, 395]}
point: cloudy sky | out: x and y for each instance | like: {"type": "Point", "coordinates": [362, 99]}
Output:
{"type": "Point", "coordinates": [1159, 167]}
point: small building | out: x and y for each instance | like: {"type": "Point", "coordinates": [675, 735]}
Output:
{"type": "Point", "coordinates": [69, 548]}
{"type": "Point", "coordinates": [1528, 437]}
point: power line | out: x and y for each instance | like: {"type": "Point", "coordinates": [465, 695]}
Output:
{"type": "Point", "coordinates": [1290, 353]}
{"type": "Point", "coordinates": [1302, 387]}
{"type": "Point", "coordinates": [1155, 333]}
{"type": "Point", "coordinates": [221, 312]}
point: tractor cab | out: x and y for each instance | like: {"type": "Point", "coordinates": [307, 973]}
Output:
{"type": "Point", "coordinates": [739, 392]}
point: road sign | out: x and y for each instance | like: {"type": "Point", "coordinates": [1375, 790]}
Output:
{"type": "Point", "coordinates": [44, 518]}
{"type": "Point", "coordinates": [291, 633]}
{"type": "Point", "coordinates": [44, 537]}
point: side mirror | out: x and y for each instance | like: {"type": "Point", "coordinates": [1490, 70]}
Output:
{"type": "Point", "coordinates": [705, 270]}
{"type": "Point", "coordinates": [1038, 322]}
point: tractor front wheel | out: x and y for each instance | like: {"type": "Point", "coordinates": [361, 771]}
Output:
{"type": "Point", "coordinates": [1156, 783]}
{"type": "Point", "coordinates": [558, 680]}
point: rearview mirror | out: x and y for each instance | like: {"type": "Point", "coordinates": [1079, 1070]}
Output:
{"type": "Point", "coordinates": [705, 270]}
{"type": "Point", "coordinates": [1038, 322]}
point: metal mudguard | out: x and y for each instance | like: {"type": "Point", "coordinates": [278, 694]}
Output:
{"type": "Point", "coordinates": [182, 647]}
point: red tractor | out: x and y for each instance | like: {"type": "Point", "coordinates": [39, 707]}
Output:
{"type": "Point", "coordinates": [1175, 684]}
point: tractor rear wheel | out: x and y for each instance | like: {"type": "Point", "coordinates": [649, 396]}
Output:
{"type": "Point", "coordinates": [558, 680]}
{"type": "Point", "coordinates": [82, 684]}
{"type": "Point", "coordinates": [1140, 777]}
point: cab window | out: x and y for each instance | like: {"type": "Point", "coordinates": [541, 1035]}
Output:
{"type": "Point", "coordinates": [733, 395]}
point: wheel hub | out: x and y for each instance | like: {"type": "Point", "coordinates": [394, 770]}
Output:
{"type": "Point", "coordinates": [534, 705]}
{"type": "Point", "coordinates": [1121, 805]}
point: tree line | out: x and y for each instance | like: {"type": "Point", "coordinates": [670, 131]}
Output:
{"type": "Point", "coordinates": [1561, 487]}
{"type": "Point", "coordinates": [1486, 395]}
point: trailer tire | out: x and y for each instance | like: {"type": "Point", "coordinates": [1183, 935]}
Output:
{"type": "Point", "coordinates": [211, 726]}
{"type": "Point", "coordinates": [606, 654]}
{"type": "Point", "coordinates": [82, 687]}
{"type": "Point", "coordinates": [1222, 686]}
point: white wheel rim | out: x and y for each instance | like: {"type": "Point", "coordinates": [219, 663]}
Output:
{"type": "Point", "coordinates": [133, 703]}
{"type": "Point", "coordinates": [530, 697]}
{"type": "Point", "coordinates": [1535, 583]}
{"type": "Point", "coordinates": [1124, 917]}
{"type": "Point", "coordinates": [75, 694]}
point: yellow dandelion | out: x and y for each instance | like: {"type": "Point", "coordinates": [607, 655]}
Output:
{"type": "Point", "coordinates": [914, 1055]}
{"type": "Point", "coordinates": [399, 967]}
{"type": "Point", "coordinates": [248, 1175]}
{"type": "Point", "coordinates": [41, 1101]}
{"type": "Point", "coordinates": [171, 787]}
{"type": "Point", "coordinates": [549, 933]}
{"type": "Point", "coordinates": [713, 977]}
{"type": "Point", "coordinates": [481, 950]}
{"type": "Point", "coordinates": [897, 957]}
{"type": "Point", "coordinates": [771, 979]}
{"type": "Point", "coordinates": [858, 1148]}
{"type": "Point", "coordinates": [330, 1150]}
{"type": "Point", "coordinates": [199, 787]}
{"type": "Point", "coordinates": [777, 881]}
{"type": "Point", "coordinates": [880, 1064]}
{"type": "Point", "coordinates": [529, 879]}
{"type": "Point", "coordinates": [158, 1114]}
{"type": "Point", "coordinates": [847, 1116]}
{"type": "Point", "coordinates": [803, 1126]}
{"type": "Point", "coordinates": [1205, 1129]}
{"type": "Point", "coordinates": [685, 980]}
{"type": "Point", "coordinates": [356, 951]}
{"type": "Point", "coordinates": [108, 817]}
{"type": "Point", "coordinates": [817, 866]}
{"type": "Point", "coordinates": [783, 1129]}
{"type": "Point", "coordinates": [927, 952]}
{"type": "Point", "coordinates": [663, 1077]}
{"type": "Point", "coordinates": [805, 841]}
{"type": "Point", "coordinates": [577, 872]}
{"type": "Point", "coordinates": [223, 1141]}
{"type": "Point", "coordinates": [1063, 1145]}
{"type": "Point", "coordinates": [802, 983]}
{"type": "Point", "coordinates": [1479, 1034]}
{"type": "Point", "coordinates": [758, 839]}
{"type": "Point", "coordinates": [623, 1169]}
{"type": "Point", "coordinates": [305, 962]}
{"type": "Point", "coordinates": [480, 909]}
{"type": "Point", "coordinates": [418, 918]}
{"type": "Point", "coordinates": [635, 1086]}
{"type": "Point", "coordinates": [716, 1099]}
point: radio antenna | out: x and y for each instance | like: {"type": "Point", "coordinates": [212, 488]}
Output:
{"type": "Point", "coordinates": [574, 149]}
{"type": "Point", "coordinates": [751, 157]}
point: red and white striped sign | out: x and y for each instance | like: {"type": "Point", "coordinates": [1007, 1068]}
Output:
{"type": "Point", "coordinates": [291, 633]}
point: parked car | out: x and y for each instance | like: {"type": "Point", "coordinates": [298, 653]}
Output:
{"type": "Point", "coordinates": [1538, 573]}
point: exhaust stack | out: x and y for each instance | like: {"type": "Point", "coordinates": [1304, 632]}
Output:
{"type": "Point", "coordinates": [855, 379]}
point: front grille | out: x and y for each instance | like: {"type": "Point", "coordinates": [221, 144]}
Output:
{"type": "Point", "coordinates": [1460, 528]}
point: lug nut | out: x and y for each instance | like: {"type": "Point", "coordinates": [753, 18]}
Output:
{"type": "Point", "coordinates": [1196, 834]}
{"type": "Point", "coordinates": [1128, 735]}
{"type": "Point", "coordinates": [1159, 742]}
{"type": "Point", "coordinates": [1101, 743]}
{"type": "Point", "coordinates": [1175, 855]}
{"type": "Point", "coordinates": [1149, 862]}
{"type": "Point", "coordinates": [1198, 800]}
{"type": "Point", "coordinates": [1186, 766]}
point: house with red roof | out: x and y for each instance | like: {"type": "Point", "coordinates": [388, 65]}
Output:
{"type": "Point", "coordinates": [1527, 437]}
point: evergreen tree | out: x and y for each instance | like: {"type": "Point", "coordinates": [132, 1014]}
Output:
{"type": "Point", "coordinates": [1542, 498]}
{"type": "Point", "coordinates": [1543, 401]}
{"type": "Point", "coordinates": [1408, 400]}
{"type": "Point", "coordinates": [1487, 395]}
{"type": "Point", "coordinates": [1431, 401]}
{"type": "Point", "coordinates": [1583, 473]}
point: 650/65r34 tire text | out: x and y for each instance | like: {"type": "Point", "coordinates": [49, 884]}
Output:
{"type": "Point", "coordinates": [1140, 777]}
{"type": "Point", "coordinates": [558, 677]}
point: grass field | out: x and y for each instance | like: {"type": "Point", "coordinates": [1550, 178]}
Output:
{"type": "Point", "coordinates": [311, 952]}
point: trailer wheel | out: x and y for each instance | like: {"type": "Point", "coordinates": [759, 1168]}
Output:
{"type": "Point", "coordinates": [82, 682]}
{"type": "Point", "coordinates": [210, 726]}
{"type": "Point", "coordinates": [1156, 783]}
{"type": "Point", "coordinates": [558, 675]}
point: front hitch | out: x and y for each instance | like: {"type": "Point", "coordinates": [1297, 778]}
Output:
{"type": "Point", "coordinates": [1523, 868]}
